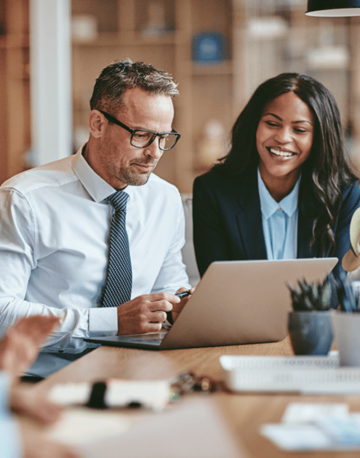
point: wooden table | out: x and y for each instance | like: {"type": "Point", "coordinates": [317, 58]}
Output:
{"type": "Point", "coordinates": [245, 412]}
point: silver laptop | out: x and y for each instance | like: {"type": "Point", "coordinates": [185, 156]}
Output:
{"type": "Point", "coordinates": [236, 302]}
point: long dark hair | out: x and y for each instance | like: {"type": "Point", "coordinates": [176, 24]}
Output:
{"type": "Point", "coordinates": [326, 169]}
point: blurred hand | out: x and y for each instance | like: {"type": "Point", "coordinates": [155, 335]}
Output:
{"type": "Point", "coordinates": [24, 401]}
{"type": "Point", "coordinates": [21, 343]}
{"type": "Point", "coordinates": [179, 306]}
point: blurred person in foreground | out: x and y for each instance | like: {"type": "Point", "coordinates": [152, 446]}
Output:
{"type": "Point", "coordinates": [285, 189]}
{"type": "Point", "coordinates": [19, 435]}
{"type": "Point", "coordinates": [57, 240]}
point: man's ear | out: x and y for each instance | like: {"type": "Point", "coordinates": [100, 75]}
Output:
{"type": "Point", "coordinates": [96, 123]}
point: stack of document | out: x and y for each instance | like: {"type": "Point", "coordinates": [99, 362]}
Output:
{"type": "Point", "coordinates": [300, 374]}
{"type": "Point", "coordinates": [315, 427]}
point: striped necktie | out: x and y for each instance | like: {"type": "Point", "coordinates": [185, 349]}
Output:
{"type": "Point", "coordinates": [118, 285]}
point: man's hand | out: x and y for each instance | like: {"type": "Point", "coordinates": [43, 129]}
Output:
{"type": "Point", "coordinates": [178, 307]}
{"type": "Point", "coordinates": [145, 313]}
{"type": "Point", "coordinates": [21, 343]}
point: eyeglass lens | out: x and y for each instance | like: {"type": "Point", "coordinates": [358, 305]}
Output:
{"type": "Point", "coordinates": [141, 139]}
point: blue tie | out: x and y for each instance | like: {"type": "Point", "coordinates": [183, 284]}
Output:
{"type": "Point", "coordinates": [118, 285]}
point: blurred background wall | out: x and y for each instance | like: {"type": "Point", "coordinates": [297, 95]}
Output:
{"type": "Point", "coordinates": [217, 50]}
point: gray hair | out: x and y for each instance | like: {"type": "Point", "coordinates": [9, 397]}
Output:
{"type": "Point", "coordinates": [119, 76]}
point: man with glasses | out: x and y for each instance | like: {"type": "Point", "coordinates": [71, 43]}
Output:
{"type": "Point", "coordinates": [96, 238]}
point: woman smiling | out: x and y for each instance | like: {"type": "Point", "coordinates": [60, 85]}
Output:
{"type": "Point", "coordinates": [284, 190]}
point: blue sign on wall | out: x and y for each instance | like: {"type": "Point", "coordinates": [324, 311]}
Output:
{"type": "Point", "coordinates": [208, 48]}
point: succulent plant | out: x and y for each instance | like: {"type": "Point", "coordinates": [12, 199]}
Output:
{"type": "Point", "coordinates": [317, 296]}
{"type": "Point", "coordinates": [346, 296]}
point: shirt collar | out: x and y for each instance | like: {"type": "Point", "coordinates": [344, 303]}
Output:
{"type": "Point", "coordinates": [98, 188]}
{"type": "Point", "coordinates": [268, 204]}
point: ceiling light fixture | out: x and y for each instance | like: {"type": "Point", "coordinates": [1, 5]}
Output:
{"type": "Point", "coordinates": [333, 8]}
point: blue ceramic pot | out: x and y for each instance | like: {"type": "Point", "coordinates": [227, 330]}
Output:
{"type": "Point", "coordinates": [310, 332]}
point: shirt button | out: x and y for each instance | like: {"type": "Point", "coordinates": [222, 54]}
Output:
{"type": "Point", "coordinates": [279, 208]}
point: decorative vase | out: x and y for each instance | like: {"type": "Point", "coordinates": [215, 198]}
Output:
{"type": "Point", "coordinates": [347, 334]}
{"type": "Point", "coordinates": [310, 332]}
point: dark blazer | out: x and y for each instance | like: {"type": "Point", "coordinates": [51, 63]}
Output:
{"type": "Point", "coordinates": [228, 223]}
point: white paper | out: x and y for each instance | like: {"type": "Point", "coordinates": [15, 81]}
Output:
{"type": "Point", "coordinates": [194, 430]}
{"type": "Point", "coordinates": [153, 394]}
{"type": "Point", "coordinates": [297, 437]}
{"type": "Point", "coordinates": [315, 426]}
{"type": "Point", "coordinates": [80, 426]}
{"type": "Point", "coordinates": [70, 393]}
{"type": "Point", "coordinates": [310, 412]}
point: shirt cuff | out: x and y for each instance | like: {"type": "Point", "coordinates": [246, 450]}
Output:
{"type": "Point", "coordinates": [103, 321]}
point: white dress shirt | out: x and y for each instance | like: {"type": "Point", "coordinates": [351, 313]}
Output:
{"type": "Point", "coordinates": [54, 229]}
{"type": "Point", "coordinates": [280, 222]}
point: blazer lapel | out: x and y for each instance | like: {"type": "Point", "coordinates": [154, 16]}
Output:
{"type": "Point", "coordinates": [249, 220]}
{"type": "Point", "coordinates": [307, 213]}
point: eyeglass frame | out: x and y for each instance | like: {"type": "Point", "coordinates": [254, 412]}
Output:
{"type": "Point", "coordinates": [113, 120]}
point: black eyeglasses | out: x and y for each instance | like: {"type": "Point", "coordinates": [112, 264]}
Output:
{"type": "Point", "coordinates": [142, 138]}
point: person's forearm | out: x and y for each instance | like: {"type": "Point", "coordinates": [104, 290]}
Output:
{"type": "Point", "coordinates": [74, 323]}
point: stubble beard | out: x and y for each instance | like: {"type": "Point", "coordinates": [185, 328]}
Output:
{"type": "Point", "coordinates": [133, 179]}
{"type": "Point", "coordinates": [130, 178]}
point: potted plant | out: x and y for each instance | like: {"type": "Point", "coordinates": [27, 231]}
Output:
{"type": "Point", "coordinates": [346, 325]}
{"type": "Point", "coordinates": [310, 322]}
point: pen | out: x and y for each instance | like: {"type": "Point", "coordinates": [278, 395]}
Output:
{"type": "Point", "coordinates": [184, 294]}
{"type": "Point", "coordinates": [180, 295]}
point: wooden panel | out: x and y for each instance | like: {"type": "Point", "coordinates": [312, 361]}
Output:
{"type": "Point", "coordinates": [17, 17]}
{"type": "Point", "coordinates": [3, 117]}
{"type": "Point", "coordinates": [16, 111]}
{"type": "Point", "coordinates": [213, 15]}
{"type": "Point", "coordinates": [127, 16]}
{"type": "Point", "coordinates": [154, 14]}
{"type": "Point", "coordinates": [14, 88]}
{"type": "Point", "coordinates": [212, 96]}
{"type": "Point", "coordinates": [184, 159]}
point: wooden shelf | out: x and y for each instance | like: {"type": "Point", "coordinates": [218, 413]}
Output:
{"type": "Point", "coordinates": [131, 39]}
{"type": "Point", "coordinates": [14, 41]}
{"type": "Point", "coordinates": [223, 68]}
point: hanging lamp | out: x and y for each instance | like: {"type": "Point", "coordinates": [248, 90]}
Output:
{"type": "Point", "coordinates": [333, 8]}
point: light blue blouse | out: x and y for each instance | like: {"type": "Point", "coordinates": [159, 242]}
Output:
{"type": "Point", "coordinates": [280, 222]}
{"type": "Point", "coordinates": [10, 443]}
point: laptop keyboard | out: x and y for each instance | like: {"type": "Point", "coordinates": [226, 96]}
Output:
{"type": "Point", "coordinates": [147, 339]}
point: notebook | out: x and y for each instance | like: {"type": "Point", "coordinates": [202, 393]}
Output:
{"type": "Point", "coordinates": [236, 302]}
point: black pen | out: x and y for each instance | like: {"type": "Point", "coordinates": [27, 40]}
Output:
{"type": "Point", "coordinates": [180, 295]}
{"type": "Point", "coordinates": [184, 294]}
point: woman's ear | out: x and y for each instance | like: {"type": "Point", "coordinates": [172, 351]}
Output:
{"type": "Point", "coordinates": [96, 123]}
